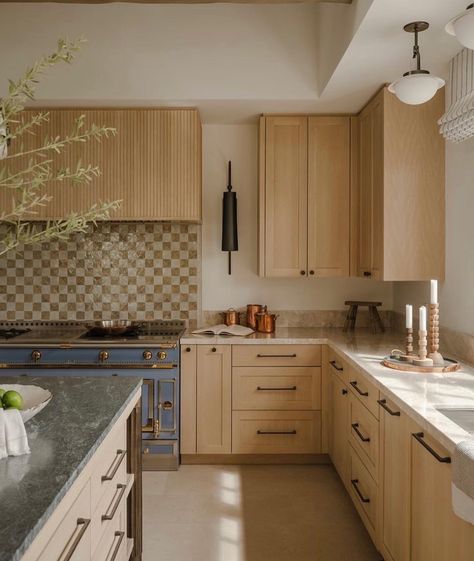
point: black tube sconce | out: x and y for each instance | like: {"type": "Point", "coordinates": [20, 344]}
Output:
{"type": "Point", "coordinates": [230, 241]}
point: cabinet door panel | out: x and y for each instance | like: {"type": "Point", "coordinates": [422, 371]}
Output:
{"type": "Point", "coordinates": [188, 399]}
{"type": "Point", "coordinates": [286, 196]}
{"type": "Point", "coordinates": [214, 393]}
{"type": "Point", "coordinates": [328, 196]}
{"type": "Point", "coordinates": [377, 190]}
{"type": "Point", "coordinates": [339, 422]}
{"type": "Point", "coordinates": [365, 194]}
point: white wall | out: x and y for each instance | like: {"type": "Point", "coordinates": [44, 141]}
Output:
{"type": "Point", "coordinates": [239, 143]}
{"type": "Point", "coordinates": [457, 292]}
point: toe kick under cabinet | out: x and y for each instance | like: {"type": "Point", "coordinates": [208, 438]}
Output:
{"type": "Point", "coordinates": [251, 399]}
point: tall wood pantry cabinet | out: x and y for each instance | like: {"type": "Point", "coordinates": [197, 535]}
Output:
{"type": "Point", "coordinates": [304, 196]}
{"type": "Point", "coordinates": [398, 211]}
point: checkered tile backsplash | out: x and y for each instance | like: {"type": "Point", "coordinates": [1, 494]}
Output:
{"type": "Point", "coordinates": [137, 271]}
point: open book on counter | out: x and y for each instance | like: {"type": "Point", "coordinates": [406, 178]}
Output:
{"type": "Point", "coordinates": [226, 330]}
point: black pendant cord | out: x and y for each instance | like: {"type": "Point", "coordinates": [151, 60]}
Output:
{"type": "Point", "coordinates": [230, 261]}
{"type": "Point", "coordinates": [229, 177]}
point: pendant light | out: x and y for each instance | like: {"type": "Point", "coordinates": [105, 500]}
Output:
{"type": "Point", "coordinates": [230, 240]}
{"type": "Point", "coordinates": [462, 26]}
{"type": "Point", "coordinates": [417, 86]}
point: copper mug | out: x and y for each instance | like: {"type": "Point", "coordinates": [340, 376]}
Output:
{"type": "Point", "coordinates": [252, 311]}
{"type": "Point", "coordinates": [231, 317]}
{"type": "Point", "coordinates": [266, 322]}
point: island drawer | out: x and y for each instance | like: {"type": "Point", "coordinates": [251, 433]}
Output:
{"type": "Point", "coordinates": [364, 435]}
{"type": "Point", "coordinates": [113, 545]}
{"type": "Point", "coordinates": [363, 491]}
{"type": "Point", "coordinates": [276, 432]}
{"type": "Point", "coordinates": [73, 535]}
{"type": "Point", "coordinates": [276, 388]}
{"type": "Point", "coordinates": [337, 366]}
{"type": "Point", "coordinates": [276, 355]}
{"type": "Point", "coordinates": [110, 462]}
{"type": "Point", "coordinates": [365, 391]}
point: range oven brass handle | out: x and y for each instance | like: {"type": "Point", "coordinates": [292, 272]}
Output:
{"type": "Point", "coordinates": [115, 465]}
{"type": "Point", "coordinates": [82, 524]}
{"type": "Point", "coordinates": [114, 508]}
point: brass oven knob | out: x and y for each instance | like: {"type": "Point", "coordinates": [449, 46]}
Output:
{"type": "Point", "coordinates": [147, 355]}
{"type": "Point", "coordinates": [162, 355]}
{"type": "Point", "coordinates": [36, 355]}
{"type": "Point", "coordinates": [103, 356]}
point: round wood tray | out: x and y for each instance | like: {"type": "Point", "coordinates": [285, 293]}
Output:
{"type": "Point", "coordinates": [448, 366]}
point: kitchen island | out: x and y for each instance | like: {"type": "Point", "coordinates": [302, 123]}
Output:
{"type": "Point", "coordinates": [65, 438]}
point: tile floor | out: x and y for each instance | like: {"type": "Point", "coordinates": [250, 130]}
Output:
{"type": "Point", "coordinates": [251, 513]}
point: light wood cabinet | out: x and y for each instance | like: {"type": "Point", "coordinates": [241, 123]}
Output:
{"type": "Point", "coordinates": [394, 482]}
{"type": "Point", "coordinates": [437, 534]}
{"type": "Point", "coordinates": [153, 164]}
{"type": "Point", "coordinates": [400, 210]}
{"type": "Point", "coordinates": [188, 399]}
{"type": "Point", "coordinates": [213, 399]}
{"type": "Point", "coordinates": [338, 427]}
{"type": "Point", "coordinates": [304, 196]}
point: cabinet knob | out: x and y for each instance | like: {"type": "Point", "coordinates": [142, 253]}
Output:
{"type": "Point", "coordinates": [188, 349]}
{"type": "Point", "coordinates": [103, 356]}
{"type": "Point", "coordinates": [302, 273]}
{"type": "Point", "coordinates": [213, 349]}
{"type": "Point", "coordinates": [367, 274]}
{"type": "Point", "coordinates": [344, 392]}
{"type": "Point", "coordinates": [311, 272]}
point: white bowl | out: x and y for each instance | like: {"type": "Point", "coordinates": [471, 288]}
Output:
{"type": "Point", "coordinates": [34, 399]}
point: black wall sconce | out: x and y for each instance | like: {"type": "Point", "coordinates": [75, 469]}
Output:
{"type": "Point", "coordinates": [230, 240]}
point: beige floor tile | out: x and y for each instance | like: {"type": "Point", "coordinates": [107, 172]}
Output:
{"type": "Point", "coordinates": [251, 513]}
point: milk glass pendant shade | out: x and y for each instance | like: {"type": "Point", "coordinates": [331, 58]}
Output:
{"type": "Point", "coordinates": [462, 26]}
{"type": "Point", "coordinates": [416, 86]}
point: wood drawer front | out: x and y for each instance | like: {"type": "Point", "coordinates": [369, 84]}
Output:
{"type": "Point", "coordinates": [73, 533]}
{"type": "Point", "coordinates": [113, 544]}
{"type": "Point", "coordinates": [276, 355]}
{"type": "Point", "coordinates": [365, 391]}
{"type": "Point", "coordinates": [364, 435]}
{"type": "Point", "coordinates": [109, 461]}
{"type": "Point", "coordinates": [363, 490]}
{"type": "Point", "coordinates": [337, 366]}
{"type": "Point", "coordinates": [278, 388]}
{"type": "Point", "coordinates": [257, 432]}
{"type": "Point", "coordinates": [110, 505]}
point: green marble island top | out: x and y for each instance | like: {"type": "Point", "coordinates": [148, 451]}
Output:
{"type": "Point", "coordinates": [63, 437]}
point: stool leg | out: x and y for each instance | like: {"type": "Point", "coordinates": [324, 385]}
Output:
{"type": "Point", "coordinates": [378, 320]}
{"type": "Point", "coordinates": [353, 316]}
{"type": "Point", "coordinates": [347, 321]}
{"type": "Point", "coordinates": [372, 323]}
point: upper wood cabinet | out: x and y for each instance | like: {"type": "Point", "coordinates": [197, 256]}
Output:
{"type": "Point", "coordinates": [153, 164]}
{"type": "Point", "coordinates": [304, 196]}
{"type": "Point", "coordinates": [399, 209]}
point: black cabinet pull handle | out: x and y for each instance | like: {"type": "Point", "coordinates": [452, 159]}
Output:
{"type": "Point", "coordinates": [367, 274]}
{"type": "Point", "coordinates": [355, 426]}
{"type": "Point", "coordinates": [333, 363]}
{"type": "Point", "coordinates": [276, 432]}
{"type": "Point", "coordinates": [355, 484]}
{"type": "Point", "coordinates": [383, 404]}
{"type": "Point", "coordinates": [442, 459]}
{"type": "Point", "coordinates": [290, 388]}
{"type": "Point", "coordinates": [344, 392]}
{"type": "Point", "coordinates": [358, 390]}
{"type": "Point", "coordinates": [277, 356]}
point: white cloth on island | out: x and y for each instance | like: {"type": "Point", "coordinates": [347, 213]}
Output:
{"type": "Point", "coordinates": [463, 480]}
{"type": "Point", "coordinates": [13, 438]}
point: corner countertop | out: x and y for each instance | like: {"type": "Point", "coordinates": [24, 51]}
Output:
{"type": "Point", "coordinates": [418, 395]}
{"type": "Point", "coordinates": [63, 437]}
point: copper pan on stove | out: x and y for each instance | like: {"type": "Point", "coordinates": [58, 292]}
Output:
{"type": "Point", "coordinates": [113, 326]}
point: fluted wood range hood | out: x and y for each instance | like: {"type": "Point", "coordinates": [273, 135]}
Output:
{"type": "Point", "coordinates": [185, 1]}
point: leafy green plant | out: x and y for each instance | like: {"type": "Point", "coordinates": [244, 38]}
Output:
{"type": "Point", "coordinates": [27, 184]}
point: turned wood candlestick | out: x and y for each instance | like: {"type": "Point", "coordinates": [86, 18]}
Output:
{"type": "Point", "coordinates": [408, 356]}
{"type": "Point", "coordinates": [421, 359]}
{"type": "Point", "coordinates": [433, 327]}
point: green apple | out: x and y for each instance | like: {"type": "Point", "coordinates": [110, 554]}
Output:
{"type": "Point", "coordinates": [12, 400]}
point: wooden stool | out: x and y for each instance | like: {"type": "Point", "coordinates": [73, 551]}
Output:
{"type": "Point", "coordinates": [374, 319]}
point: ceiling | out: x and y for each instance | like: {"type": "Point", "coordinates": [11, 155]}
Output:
{"type": "Point", "coordinates": [233, 61]}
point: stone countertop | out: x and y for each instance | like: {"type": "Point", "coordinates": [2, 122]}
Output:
{"type": "Point", "coordinates": [63, 437]}
{"type": "Point", "coordinates": [418, 395]}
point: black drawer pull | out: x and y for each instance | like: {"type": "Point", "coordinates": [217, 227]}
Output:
{"type": "Point", "coordinates": [276, 432]}
{"type": "Point", "coordinates": [333, 363]}
{"type": "Point", "coordinates": [289, 389]}
{"type": "Point", "coordinates": [277, 356]}
{"type": "Point", "coordinates": [357, 389]}
{"type": "Point", "coordinates": [344, 392]}
{"type": "Point", "coordinates": [118, 460]}
{"type": "Point", "coordinates": [383, 404]}
{"type": "Point", "coordinates": [355, 426]}
{"type": "Point", "coordinates": [355, 484]}
{"type": "Point", "coordinates": [443, 459]}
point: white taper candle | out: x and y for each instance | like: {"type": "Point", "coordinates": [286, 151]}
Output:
{"type": "Point", "coordinates": [409, 316]}
{"type": "Point", "coordinates": [434, 291]}
{"type": "Point", "coordinates": [423, 318]}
